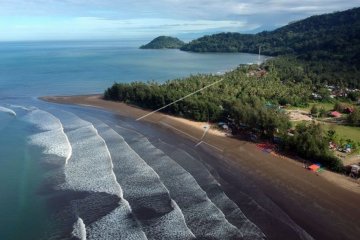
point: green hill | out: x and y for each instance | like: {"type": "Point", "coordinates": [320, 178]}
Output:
{"type": "Point", "coordinates": [326, 47]}
{"type": "Point", "coordinates": [164, 42]}
{"type": "Point", "coordinates": [316, 35]}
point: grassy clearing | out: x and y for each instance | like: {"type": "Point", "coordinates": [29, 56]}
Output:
{"type": "Point", "coordinates": [326, 106]}
{"type": "Point", "coordinates": [345, 132]}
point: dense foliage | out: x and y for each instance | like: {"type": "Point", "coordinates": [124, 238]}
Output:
{"type": "Point", "coordinates": [311, 142]}
{"type": "Point", "coordinates": [320, 72]}
{"type": "Point", "coordinates": [250, 112]}
{"type": "Point", "coordinates": [164, 42]}
{"type": "Point", "coordinates": [326, 47]}
{"type": "Point", "coordinates": [237, 84]}
{"type": "Point", "coordinates": [245, 97]}
{"type": "Point", "coordinates": [311, 38]}
{"type": "Point", "coordinates": [354, 117]}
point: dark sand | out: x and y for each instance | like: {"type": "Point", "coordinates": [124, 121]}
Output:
{"type": "Point", "coordinates": [326, 205]}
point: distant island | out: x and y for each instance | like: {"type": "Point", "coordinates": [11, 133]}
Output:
{"type": "Point", "coordinates": [164, 42]}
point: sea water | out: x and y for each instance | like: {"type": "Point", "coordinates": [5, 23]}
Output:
{"type": "Point", "coordinates": [23, 210]}
{"type": "Point", "coordinates": [59, 168]}
{"type": "Point", "coordinates": [66, 68]}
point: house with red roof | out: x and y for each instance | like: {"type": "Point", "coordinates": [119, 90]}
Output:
{"type": "Point", "coordinates": [335, 114]}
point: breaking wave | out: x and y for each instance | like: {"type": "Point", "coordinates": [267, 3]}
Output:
{"type": "Point", "coordinates": [7, 110]}
{"type": "Point", "coordinates": [213, 189]}
{"type": "Point", "coordinates": [79, 229]}
{"type": "Point", "coordinates": [52, 138]}
{"type": "Point", "coordinates": [203, 218]}
{"type": "Point", "coordinates": [22, 107]}
{"type": "Point", "coordinates": [90, 169]}
{"type": "Point", "coordinates": [159, 215]}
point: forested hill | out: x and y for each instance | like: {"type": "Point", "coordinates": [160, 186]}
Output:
{"type": "Point", "coordinates": [163, 42]}
{"type": "Point", "coordinates": [314, 37]}
{"type": "Point", "coordinates": [323, 48]}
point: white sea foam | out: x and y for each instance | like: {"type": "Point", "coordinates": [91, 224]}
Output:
{"type": "Point", "coordinates": [43, 120]}
{"type": "Point", "coordinates": [7, 110]}
{"type": "Point", "coordinates": [144, 189]}
{"type": "Point", "coordinates": [54, 142]}
{"type": "Point", "coordinates": [215, 193]}
{"type": "Point", "coordinates": [79, 229]}
{"type": "Point", "coordinates": [203, 217]}
{"type": "Point", "coordinates": [71, 121]}
{"type": "Point", "coordinates": [116, 225]}
{"type": "Point", "coordinates": [90, 167]}
{"type": "Point", "coordinates": [22, 107]}
{"type": "Point", "coordinates": [52, 138]}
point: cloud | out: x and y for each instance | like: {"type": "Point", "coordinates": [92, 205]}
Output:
{"type": "Point", "coordinates": [180, 9]}
{"type": "Point", "coordinates": [102, 28]}
{"type": "Point", "coordinates": [24, 19]}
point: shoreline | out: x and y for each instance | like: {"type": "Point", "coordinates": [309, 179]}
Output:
{"type": "Point", "coordinates": [325, 204]}
{"type": "Point", "coordinates": [191, 129]}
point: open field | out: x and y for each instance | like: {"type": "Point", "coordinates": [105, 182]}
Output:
{"type": "Point", "coordinates": [345, 132]}
{"type": "Point", "coordinates": [326, 106]}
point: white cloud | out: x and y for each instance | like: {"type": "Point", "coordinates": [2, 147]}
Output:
{"type": "Point", "coordinates": [101, 28]}
{"type": "Point", "coordinates": [207, 9]}
{"type": "Point", "coordinates": [72, 18]}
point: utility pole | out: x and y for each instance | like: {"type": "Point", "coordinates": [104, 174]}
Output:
{"type": "Point", "coordinates": [259, 54]}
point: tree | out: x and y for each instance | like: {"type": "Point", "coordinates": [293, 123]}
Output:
{"type": "Point", "coordinates": [322, 112]}
{"type": "Point", "coordinates": [340, 107]}
{"type": "Point", "coordinates": [314, 110]}
{"type": "Point", "coordinates": [323, 48]}
{"type": "Point", "coordinates": [354, 117]}
{"type": "Point", "coordinates": [331, 135]}
{"type": "Point", "coordinates": [354, 96]}
{"type": "Point", "coordinates": [309, 141]}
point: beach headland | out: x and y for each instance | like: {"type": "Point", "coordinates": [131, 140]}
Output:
{"type": "Point", "coordinates": [326, 205]}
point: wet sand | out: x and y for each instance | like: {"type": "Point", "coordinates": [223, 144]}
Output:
{"type": "Point", "coordinates": [325, 205]}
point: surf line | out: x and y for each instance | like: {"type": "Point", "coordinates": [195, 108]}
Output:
{"type": "Point", "coordinates": [180, 99]}
{"type": "Point", "coordinates": [7, 110]}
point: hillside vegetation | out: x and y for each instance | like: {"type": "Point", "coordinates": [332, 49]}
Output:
{"type": "Point", "coordinates": [325, 47]}
{"type": "Point", "coordinates": [164, 42]}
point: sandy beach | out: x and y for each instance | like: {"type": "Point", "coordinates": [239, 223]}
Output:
{"type": "Point", "coordinates": [326, 205]}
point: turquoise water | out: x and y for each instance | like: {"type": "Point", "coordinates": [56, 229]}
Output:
{"type": "Point", "coordinates": [28, 196]}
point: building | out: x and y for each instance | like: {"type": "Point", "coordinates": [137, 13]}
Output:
{"type": "Point", "coordinates": [335, 114]}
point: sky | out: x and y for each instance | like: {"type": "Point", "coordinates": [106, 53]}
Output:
{"type": "Point", "coordinates": [22, 20]}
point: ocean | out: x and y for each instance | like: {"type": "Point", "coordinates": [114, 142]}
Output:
{"type": "Point", "coordinates": [71, 172]}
